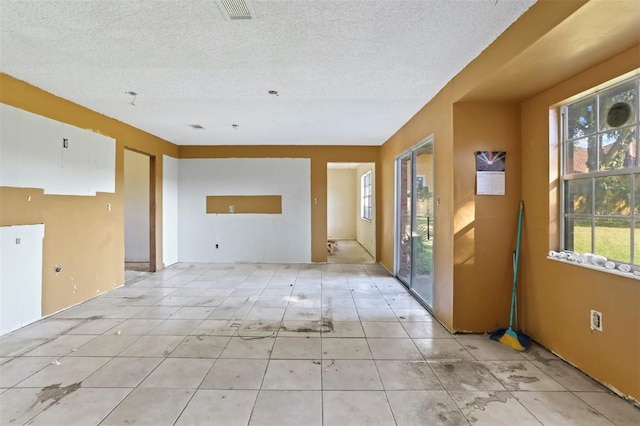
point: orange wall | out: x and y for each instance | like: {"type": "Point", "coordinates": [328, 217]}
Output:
{"type": "Point", "coordinates": [80, 234]}
{"type": "Point", "coordinates": [558, 297]}
{"type": "Point", "coordinates": [436, 119]}
{"type": "Point", "coordinates": [484, 231]}
{"type": "Point", "coordinates": [501, 101]}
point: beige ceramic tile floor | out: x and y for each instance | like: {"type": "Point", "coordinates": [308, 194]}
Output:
{"type": "Point", "coordinates": [211, 344]}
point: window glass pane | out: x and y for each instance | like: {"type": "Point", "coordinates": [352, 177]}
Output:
{"type": "Point", "coordinates": [577, 235]}
{"type": "Point", "coordinates": [577, 198]}
{"type": "Point", "coordinates": [581, 156]}
{"type": "Point", "coordinates": [581, 118]}
{"type": "Point", "coordinates": [618, 106]}
{"type": "Point", "coordinates": [613, 195]}
{"type": "Point", "coordinates": [636, 244]}
{"type": "Point", "coordinates": [618, 149]}
{"type": "Point", "coordinates": [613, 239]}
{"type": "Point", "coordinates": [637, 194]}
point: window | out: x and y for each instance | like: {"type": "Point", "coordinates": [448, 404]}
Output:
{"type": "Point", "coordinates": [365, 191]}
{"type": "Point", "coordinates": [600, 174]}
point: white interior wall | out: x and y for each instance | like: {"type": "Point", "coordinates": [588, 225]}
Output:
{"type": "Point", "coordinates": [342, 204]}
{"type": "Point", "coordinates": [282, 237]}
{"type": "Point", "coordinates": [20, 276]}
{"type": "Point", "coordinates": [136, 207]}
{"type": "Point", "coordinates": [33, 155]}
{"type": "Point", "coordinates": [169, 210]}
{"type": "Point", "coordinates": [366, 230]}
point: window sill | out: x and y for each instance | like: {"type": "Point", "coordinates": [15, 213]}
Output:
{"type": "Point", "coordinates": [596, 268]}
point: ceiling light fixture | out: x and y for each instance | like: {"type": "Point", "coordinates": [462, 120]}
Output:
{"type": "Point", "coordinates": [274, 92]}
{"type": "Point", "coordinates": [133, 95]}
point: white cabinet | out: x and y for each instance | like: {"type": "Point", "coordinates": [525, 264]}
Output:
{"type": "Point", "coordinates": [20, 275]}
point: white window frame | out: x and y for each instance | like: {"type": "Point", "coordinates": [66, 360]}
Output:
{"type": "Point", "coordinates": [366, 187]}
{"type": "Point", "coordinates": [632, 171]}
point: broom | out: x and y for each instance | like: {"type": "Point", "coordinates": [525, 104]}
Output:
{"type": "Point", "coordinates": [509, 337]}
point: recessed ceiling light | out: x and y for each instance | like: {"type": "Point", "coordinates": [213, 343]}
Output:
{"type": "Point", "coordinates": [196, 126]}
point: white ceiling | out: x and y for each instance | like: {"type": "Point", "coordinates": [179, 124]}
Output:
{"type": "Point", "coordinates": [348, 72]}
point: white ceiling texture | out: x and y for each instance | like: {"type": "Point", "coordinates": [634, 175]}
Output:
{"type": "Point", "coordinates": [347, 72]}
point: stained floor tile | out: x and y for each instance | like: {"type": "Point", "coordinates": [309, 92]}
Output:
{"type": "Point", "coordinates": [560, 408]}
{"type": "Point", "coordinates": [349, 374]}
{"type": "Point", "coordinates": [293, 374]}
{"type": "Point", "coordinates": [418, 408]}
{"type": "Point", "coordinates": [161, 407]}
{"type": "Point", "coordinates": [287, 408]}
{"type": "Point", "coordinates": [122, 372]}
{"type": "Point", "coordinates": [85, 406]}
{"type": "Point", "coordinates": [281, 344]}
{"type": "Point", "coordinates": [236, 374]}
{"type": "Point", "coordinates": [178, 373]}
{"type": "Point", "coordinates": [356, 407]}
{"type": "Point", "coordinates": [407, 375]}
{"type": "Point", "coordinates": [493, 409]}
{"type": "Point", "coordinates": [222, 407]}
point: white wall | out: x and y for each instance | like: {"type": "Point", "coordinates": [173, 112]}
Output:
{"type": "Point", "coordinates": [282, 237]}
{"type": "Point", "coordinates": [366, 230]}
{"type": "Point", "coordinates": [33, 156]}
{"type": "Point", "coordinates": [136, 207]}
{"type": "Point", "coordinates": [169, 210]}
{"type": "Point", "coordinates": [20, 276]}
{"type": "Point", "coordinates": [342, 204]}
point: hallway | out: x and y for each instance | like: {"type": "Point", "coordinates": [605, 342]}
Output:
{"type": "Point", "coordinates": [283, 344]}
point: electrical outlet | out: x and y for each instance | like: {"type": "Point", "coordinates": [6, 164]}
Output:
{"type": "Point", "coordinates": [17, 240]}
{"type": "Point", "coordinates": [217, 246]}
{"type": "Point", "coordinates": [108, 207]}
{"type": "Point", "coordinates": [231, 209]}
{"type": "Point", "coordinates": [596, 320]}
{"type": "Point", "coordinates": [65, 143]}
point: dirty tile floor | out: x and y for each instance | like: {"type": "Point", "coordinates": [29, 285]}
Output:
{"type": "Point", "coordinates": [213, 344]}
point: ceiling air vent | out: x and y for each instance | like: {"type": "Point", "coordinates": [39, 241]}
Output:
{"type": "Point", "coordinates": [236, 9]}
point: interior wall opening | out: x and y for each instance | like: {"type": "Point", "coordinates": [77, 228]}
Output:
{"type": "Point", "coordinates": [139, 214]}
{"type": "Point", "coordinates": [351, 213]}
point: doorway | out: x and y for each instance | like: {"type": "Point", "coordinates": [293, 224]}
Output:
{"type": "Point", "coordinates": [351, 226]}
{"type": "Point", "coordinates": [139, 215]}
{"type": "Point", "coordinates": [415, 220]}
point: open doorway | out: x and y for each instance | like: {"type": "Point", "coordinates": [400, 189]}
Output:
{"type": "Point", "coordinates": [139, 215]}
{"type": "Point", "coordinates": [351, 213]}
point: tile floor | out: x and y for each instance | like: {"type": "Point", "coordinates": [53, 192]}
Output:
{"type": "Point", "coordinates": [212, 344]}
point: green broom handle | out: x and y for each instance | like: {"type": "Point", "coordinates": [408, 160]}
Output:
{"type": "Point", "coordinates": [515, 271]}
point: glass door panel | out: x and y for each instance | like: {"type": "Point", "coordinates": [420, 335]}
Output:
{"type": "Point", "coordinates": [422, 280]}
{"type": "Point", "coordinates": [404, 214]}
{"type": "Point", "coordinates": [415, 221]}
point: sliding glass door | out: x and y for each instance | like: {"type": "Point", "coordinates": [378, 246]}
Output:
{"type": "Point", "coordinates": [415, 213]}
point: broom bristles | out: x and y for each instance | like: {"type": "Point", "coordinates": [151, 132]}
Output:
{"type": "Point", "coordinates": [510, 339]}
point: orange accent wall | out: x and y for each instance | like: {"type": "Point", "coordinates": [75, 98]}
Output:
{"type": "Point", "coordinates": [558, 297]}
{"type": "Point", "coordinates": [501, 101]}
{"type": "Point", "coordinates": [261, 204]}
{"type": "Point", "coordinates": [484, 228]}
{"type": "Point", "coordinates": [80, 234]}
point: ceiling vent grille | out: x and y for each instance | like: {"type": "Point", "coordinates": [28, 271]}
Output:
{"type": "Point", "coordinates": [236, 9]}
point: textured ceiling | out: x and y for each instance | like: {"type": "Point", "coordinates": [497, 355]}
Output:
{"type": "Point", "coordinates": [348, 72]}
